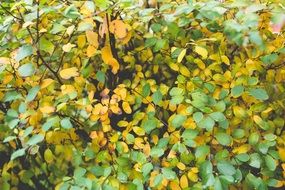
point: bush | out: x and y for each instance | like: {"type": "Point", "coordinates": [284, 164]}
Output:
{"type": "Point", "coordinates": [142, 95]}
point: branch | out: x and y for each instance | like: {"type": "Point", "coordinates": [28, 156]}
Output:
{"type": "Point", "coordinates": [7, 11]}
{"type": "Point", "coordinates": [49, 68]}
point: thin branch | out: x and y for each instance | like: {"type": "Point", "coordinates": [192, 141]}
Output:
{"type": "Point", "coordinates": [7, 11]}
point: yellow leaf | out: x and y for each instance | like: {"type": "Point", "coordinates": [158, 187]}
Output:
{"type": "Point", "coordinates": [241, 149]}
{"type": "Point", "coordinates": [183, 181]}
{"type": "Point", "coordinates": [181, 55]}
{"type": "Point", "coordinates": [201, 51]}
{"type": "Point", "coordinates": [225, 59]}
{"type": "Point", "coordinates": [46, 83]}
{"type": "Point", "coordinates": [192, 176]}
{"type": "Point", "coordinates": [139, 131]}
{"type": "Point", "coordinates": [114, 64]}
{"type": "Point", "coordinates": [5, 60]}
{"type": "Point", "coordinates": [181, 166]}
{"type": "Point", "coordinates": [115, 109]}
{"type": "Point", "coordinates": [67, 47]}
{"type": "Point", "coordinates": [91, 50]}
{"type": "Point", "coordinates": [92, 38]}
{"type": "Point", "coordinates": [119, 28]}
{"type": "Point", "coordinates": [81, 41]}
{"type": "Point", "coordinates": [69, 72]}
{"type": "Point", "coordinates": [123, 123]}
{"type": "Point", "coordinates": [174, 66]}
{"type": "Point", "coordinates": [47, 109]}
{"type": "Point", "coordinates": [281, 152]}
{"type": "Point", "coordinates": [200, 63]}
{"type": "Point", "coordinates": [48, 155]}
{"type": "Point", "coordinates": [174, 185]}
{"type": "Point", "coordinates": [126, 107]}
{"type": "Point", "coordinates": [184, 71]}
{"type": "Point", "coordinates": [106, 54]}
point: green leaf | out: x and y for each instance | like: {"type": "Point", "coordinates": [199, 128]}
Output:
{"type": "Point", "coordinates": [147, 168]}
{"type": "Point", "coordinates": [149, 125]}
{"type": "Point", "coordinates": [100, 76]}
{"type": "Point", "coordinates": [26, 70]}
{"type": "Point", "coordinates": [237, 91]}
{"type": "Point", "coordinates": [175, 91]}
{"type": "Point", "coordinates": [218, 116]}
{"type": "Point", "coordinates": [224, 139]}
{"type": "Point", "coordinates": [18, 153]}
{"type": "Point", "coordinates": [207, 122]}
{"type": "Point", "coordinates": [168, 173]}
{"type": "Point", "coordinates": [269, 59]}
{"type": "Point", "coordinates": [202, 151]}
{"type": "Point", "coordinates": [258, 93]}
{"type": "Point", "coordinates": [177, 99]}
{"type": "Point", "coordinates": [157, 180]}
{"type": "Point", "coordinates": [146, 90]}
{"type": "Point", "coordinates": [46, 45]}
{"type": "Point", "coordinates": [270, 163]}
{"type": "Point", "coordinates": [79, 172]}
{"type": "Point", "coordinates": [32, 93]}
{"type": "Point", "coordinates": [198, 116]}
{"type": "Point", "coordinates": [178, 120]}
{"type": "Point", "coordinates": [9, 138]}
{"type": "Point", "coordinates": [35, 139]}
{"type": "Point", "coordinates": [255, 160]}
{"type": "Point", "coordinates": [24, 52]}
{"type": "Point", "coordinates": [156, 97]}
{"type": "Point", "coordinates": [66, 123]}
{"type": "Point", "coordinates": [243, 157]}
{"type": "Point", "coordinates": [226, 168]}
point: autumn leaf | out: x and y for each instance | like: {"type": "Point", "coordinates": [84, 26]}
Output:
{"type": "Point", "coordinates": [69, 73]}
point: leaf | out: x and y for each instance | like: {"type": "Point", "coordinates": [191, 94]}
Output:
{"type": "Point", "coordinates": [184, 71]}
{"type": "Point", "coordinates": [270, 163]}
{"type": "Point", "coordinates": [226, 168]}
{"type": "Point", "coordinates": [258, 93]}
{"type": "Point", "coordinates": [198, 116]}
{"type": "Point", "coordinates": [65, 123]}
{"type": "Point", "coordinates": [69, 73]}
{"type": "Point", "coordinates": [46, 45]}
{"type": "Point", "coordinates": [217, 116]}
{"type": "Point", "coordinates": [237, 91]}
{"type": "Point", "coordinates": [207, 122]}
{"type": "Point", "coordinates": [201, 51]}
{"type": "Point", "coordinates": [184, 181]}
{"type": "Point", "coordinates": [67, 47]}
{"type": "Point", "coordinates": [156, 97]}
{"type": "Point", "coordinates": [91, 51]}
{"type": "Point", "coordinates": [223, 138]}
{"type": "Point", "coordinates": [168, 173]}
{"type": "Point", "coordinates": [35, 139]}
{"type": "Point", "coordinates": [225, 59]}
{"type": "Point", "coordinates": [146, 168]}
{"type": "Point", "coordinates": [81, 41]}
{"type": "Point", "coordinates": [181, 55]}
{"type": "Point", "coordinates": [178, 120]}
{"type": "Point", "coordinates": [26, 70]}
{"type": "Point", "coordinates": [119, 28]}
{"type": "Point", "coordinates": [32, 93]}
{"type": "Point", "coordinates": [24, 52]}
{"type": "Point", "coordinates": [149, 125]}
{"type": "Point", "coordinates": [92, 38]}
{"type": "Point", "coordinates": [48, 156]}
{"type": "Point", "coordinates": [126, 107]}
{"type": "Point", "coordinates": [109, 59]}
{"type": "Point", "coordinates": [47, 109]}
{"type": "Point", "coordinates": [18, 153]}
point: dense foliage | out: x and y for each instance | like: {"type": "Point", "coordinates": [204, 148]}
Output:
{"type": "Point", "coordinates": [142, 95]}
